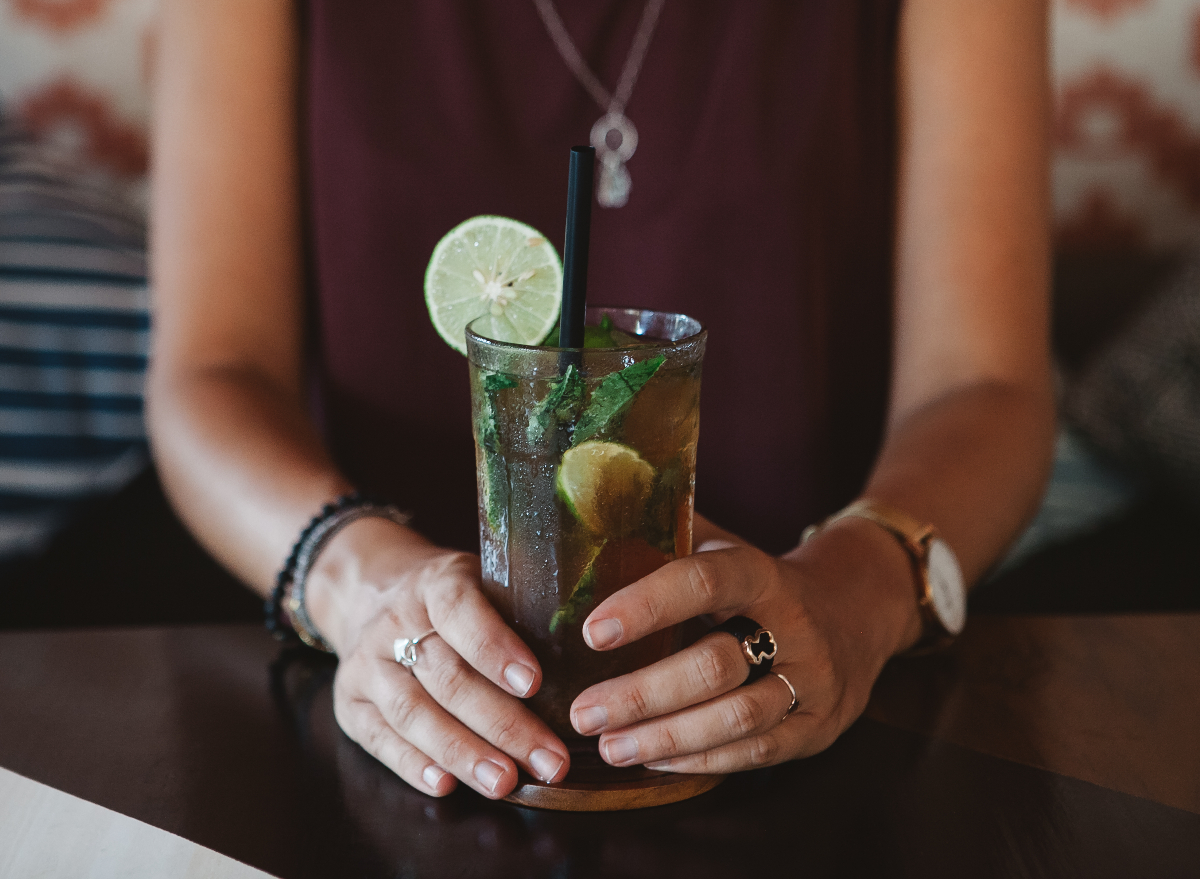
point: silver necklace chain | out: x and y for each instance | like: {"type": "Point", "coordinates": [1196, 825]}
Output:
{"type": "Point", "coordinates": [613, 135]}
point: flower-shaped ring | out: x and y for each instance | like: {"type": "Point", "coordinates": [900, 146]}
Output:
{"type": "Point", "coordinates": [758, 645]}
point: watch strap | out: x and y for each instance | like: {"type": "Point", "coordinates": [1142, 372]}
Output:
{"type": "Point", "coordinates": [914, 536]}
{"type": "Point", "coordinates": [911, 532]}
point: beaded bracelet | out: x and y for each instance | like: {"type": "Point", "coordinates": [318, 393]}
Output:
{"type": "Point", "coordinates": [290, 583]}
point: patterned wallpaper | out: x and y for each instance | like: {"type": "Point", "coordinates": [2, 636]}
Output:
{"type": "Point", "coordinates": [76, 72]}
{"type": "Point", "coordinates": [1127, 126]}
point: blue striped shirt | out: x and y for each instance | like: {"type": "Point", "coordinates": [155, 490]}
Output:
{"type": "Point", "coordinates": [74, 337]}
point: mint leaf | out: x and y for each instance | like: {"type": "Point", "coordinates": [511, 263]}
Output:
{"type": "Point", "coordinates": [496, 471]}
{"type": "Point", "coordinates": [581, 596]}
{"type": "Point", "coordinates": [660, 508]}
{"type": "Point", "coordinates": [560, 405]}
{"type": "Point", "coordinates": [498, 381]}
{"type": "Point", "coordinates": [497, 490]}
{"type": "Point", "coordinates": [612, 396]}
{"type": "Point", "coordinates": [601, 336]}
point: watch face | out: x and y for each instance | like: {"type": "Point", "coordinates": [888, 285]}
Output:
{"type": "Point", "coordinates": [947, 590]}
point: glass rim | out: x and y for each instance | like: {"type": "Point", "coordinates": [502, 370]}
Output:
{"type": "Point", "coordinates": [700, 333]}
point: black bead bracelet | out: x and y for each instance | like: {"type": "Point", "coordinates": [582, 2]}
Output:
{"type": "Point", "coordinates": [321, 528]}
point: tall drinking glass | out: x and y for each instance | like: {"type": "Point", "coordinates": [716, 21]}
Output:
{"type": "Point", "coordinates": [586, 467]}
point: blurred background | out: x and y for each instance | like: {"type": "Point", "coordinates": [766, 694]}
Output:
{"type": "Point", "coordinates": [86, 537]}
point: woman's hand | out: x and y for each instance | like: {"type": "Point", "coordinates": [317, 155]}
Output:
{"type": "Point", "coordinates": [838, 608]}
{"type": "Point", "coordinates": [457, 713]}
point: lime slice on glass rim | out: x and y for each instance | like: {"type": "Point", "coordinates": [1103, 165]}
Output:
{"type": "Point", "coordinates": [497, 269]}
{"type": "Point", "coordinates": [606, 486]}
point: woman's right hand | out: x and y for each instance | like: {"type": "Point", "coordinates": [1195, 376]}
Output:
{"type": "Point", "coordinates": [457, 713]}
{"type": "Point", "coordinates": [230, 422]}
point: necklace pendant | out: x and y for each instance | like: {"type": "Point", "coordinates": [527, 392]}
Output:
{"type": "Point", "coordinates": [612, 191]}
{"type": "Point", "coordinates": [615, 140]}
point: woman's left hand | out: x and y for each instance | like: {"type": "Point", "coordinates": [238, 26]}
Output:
{"type": "Point", "coordinates": [838, 608]}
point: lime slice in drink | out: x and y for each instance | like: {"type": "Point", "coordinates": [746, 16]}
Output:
{"type": "Point", "coordinates": [606, 486]}
{"type": "Point", "coordinates": [497, 269]}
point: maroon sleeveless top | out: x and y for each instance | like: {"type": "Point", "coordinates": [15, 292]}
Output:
{"type": "Point", "coordinates": [762, 202]}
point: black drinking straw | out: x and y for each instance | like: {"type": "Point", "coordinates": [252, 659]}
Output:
{"type": "Point", "coordinates": [575, 247]}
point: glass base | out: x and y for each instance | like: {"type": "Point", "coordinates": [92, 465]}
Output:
{"type": "Point", "coordinates": [611, 791]}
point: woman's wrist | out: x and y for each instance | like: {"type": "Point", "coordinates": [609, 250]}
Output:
{"type": "Point", "coordinates": [354, 570]}
{"type": "Point", "coordinates": [871, 571]}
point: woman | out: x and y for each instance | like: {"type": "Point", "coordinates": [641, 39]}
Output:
{"type": "Point", "coordinates": [852, 196]}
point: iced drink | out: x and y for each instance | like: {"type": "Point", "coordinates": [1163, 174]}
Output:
{"type": "Point", "coordinates": [586, 468]}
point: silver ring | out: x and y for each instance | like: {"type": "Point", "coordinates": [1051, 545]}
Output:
{"type": "Point", "coordinates": [406, 648]}
{"type": "Point", "coordinates": [792, 690]}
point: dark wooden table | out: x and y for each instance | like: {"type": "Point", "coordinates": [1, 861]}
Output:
{"type": "Point", "coordinates": [1039, 746]}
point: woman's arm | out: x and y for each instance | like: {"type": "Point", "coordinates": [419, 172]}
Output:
{"type": "Point", "coordinates": [969, 430]}
{"type": "Point", "coordinates": [225, 399]}
{"type": "Point", "coordinates": [237, 452]}
{"type": "Point", "coordinates": [972, 410]}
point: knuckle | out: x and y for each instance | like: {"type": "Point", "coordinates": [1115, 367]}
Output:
{"type": "Point", "coordinates": [644, 607]}
{"type": "Point", "coordinates": [506, 731]}
{"type": "Point", "coordinates": [391, 620]}
{"type": "Point", "coordinates": [448, 681]}
{"type": "Point", "coordinates": [745, 715]}
{"type": "Point", "coordinates": [447, 584]}
{"type": "Point", "coordinates": [452, 573]}
{"type": "Point", "coordinates": [477, 642]}
{"type": "Point", "coordinates": [401, 711]}
{"type": "Point", "coordinates": [443, 604]}
{"type": "Point", "coordinates": [654, 612]}
{"type": "Point", "coordinates": [670, 741]}
{"type": "Point", "coordinates": [461, 564]}
{"type": "Point", "coordinates": [456, 751]}
{"type": "Point", "coordinates": [454, 586]}
{"type": "Point", "coordinates": [463, 619]}
{"type": "Point", "coordinates": [719, 669]}
{"type": "Point", "coordinates": [703, 762]}
{"type": "Point", "coordinates": [763, 751]}
{"type": "Point", "coordinates": [702, 580]}
{"type": "Point", "coordinates": [638, 702]}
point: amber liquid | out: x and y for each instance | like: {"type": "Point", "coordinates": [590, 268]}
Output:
{"type": "Point", "coordinates": [535, 550]}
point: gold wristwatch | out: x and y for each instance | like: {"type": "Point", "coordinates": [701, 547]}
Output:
{"type": "Point", "coordinates": [941, 589]}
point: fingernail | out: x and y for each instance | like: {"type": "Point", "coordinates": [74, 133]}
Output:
{"type": "Point", "coordinates": [660, 765]}
{"type": "Point", "coordinates": [433, 775]}
{"type": "Point", "coordinates": [519, 677]}
{"type": "Point", "coordinates": [488, 774]}
{"type": "Point", "coordinates": [545, 763]}
{"type": "Point", "coordinates": [590, 721]}
{"type": "Point", "coordinates": [621, 750]}
{"type": "Point", "coordinates": [603, 633]}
